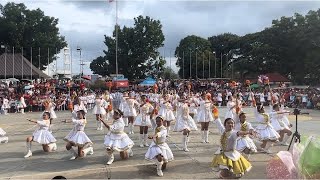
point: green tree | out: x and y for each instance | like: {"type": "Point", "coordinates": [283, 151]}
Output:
{"type": "Point", "coordinates": [225, 46]}
{"type": "Point", "coordinates": [138, 46]}
{"type": "Point", "coordinates": [194, 52]}
{"type": "Point", "coordinates": [168, 73]}
{"type": "Point", "coordinates": [100, 66]}
{"type": "Point", "coordinates": [23, 28]}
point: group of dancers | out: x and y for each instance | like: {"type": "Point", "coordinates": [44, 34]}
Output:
{"type": "Point", "coordinates": [238, 140]}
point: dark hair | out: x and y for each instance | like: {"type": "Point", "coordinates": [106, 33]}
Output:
{"type": "Point", "coordinates": [259, 107]}
{"type": "Point", "coordinates": [242, 113]}
{"type": "Point", "coordinates": [275, 106]}
{"type": "Point", "coordinates": [59, 177]}
{"type": "Point", "coordinates": [159, 117]}
{"type": "Point", "coordinates": [82, 113]}
{"type": "Point", "coordinates": [118, 111]}
{"type": "Point", "coordinates": [226, 120]}
{"type": "Point", "coordinates": [47, 113]}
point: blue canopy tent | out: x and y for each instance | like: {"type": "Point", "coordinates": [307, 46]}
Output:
{"type": "Point", "coordinates": [148, 82]}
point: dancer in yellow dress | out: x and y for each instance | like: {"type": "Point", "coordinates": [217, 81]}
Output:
{"type": "Point", "coordinates": [227, 159]}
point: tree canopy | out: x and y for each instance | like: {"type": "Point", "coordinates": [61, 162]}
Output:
{"type": "Point", "coordinates": [138, 55]}
{"type": "Point", "coordinates": [291, 46]}
{"type": "Point", "coordinates": [22, 28]}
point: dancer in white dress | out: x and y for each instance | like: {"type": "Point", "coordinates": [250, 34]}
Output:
{"type": "Point", "coordinates": [244, 143]}
{"type": "Point", "coordinates": [143, 120]}
{"type": "Point", "coordinates": [99, 110]}
{"type": "Point", "coordinates": [117, 139]}
{"type": "Point", "coordinates": [231, 108]}
{"type": "Point", "coordinates": [49, 107]}
{"type": "Point", "coordinates": [194, 103]}
{"type": "Point", "coordinates": [185, 124]}
{"type": "Point", "coordinates": [77, 106]}
{"type": "Point", "coordinates": [219, 98]}
{"type": "Point", "coordinates": [166, 111]}
{"type": "Point", "coordinates": [123, 106]}
{"type": "Point", "coordinates": [205, 116]}
{"type": "Point", "coordinates": [281, 124]}
{"type": "Point", "coordinates": [78, 138]}
{"type": "Point", "coordinates": [42, 136]}
{"type": "Point", "coordinates": [159, 151]}
{"type": "Point", "coordinates": [3, 137]}
{"type": "Point", "coordinates": [22, 104]}
{"type": "Point", "coordinates": [267, 134]}
{"type": "Point", "coordinates": [5, 105]}
{"type": "Point", "coordinates": [130, 112]}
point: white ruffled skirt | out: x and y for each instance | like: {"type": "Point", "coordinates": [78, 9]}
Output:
{"type": "Point", "coordinates": [127, 112]}
{"type": "Point", "coordinates": [78, 137]}
{"type": "Point", "coordinates": [185, 123]}
{"type": "Point", "coordinates": [266, 132]}
{"type": "Point", "coordinates": [43, 136]}
{"type": "Point", "coordinates": [204, 116]}
{"type": "Point", "coordinates": [98, 110]}
{"type": "Point", "coordinates": [118, 142]}
{"type": "Point", "coordinates": [246, 142]}
{"type": "Point", "coordinates": [2, 132]}
{"type": "Point", "coordinates": [139, 121]}
{"type": "Point", "coordinates": [162, 149]}
{"type": "Point", "coordinates": [167, 114]}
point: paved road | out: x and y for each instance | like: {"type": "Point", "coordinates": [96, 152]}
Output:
{"type": "Point", "coordinates": [191, 165]}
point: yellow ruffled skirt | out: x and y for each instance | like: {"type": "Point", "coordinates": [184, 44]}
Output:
{"type": "Point", "coordinates": [221, 161]}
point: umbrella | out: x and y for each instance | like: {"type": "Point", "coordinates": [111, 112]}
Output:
{"type": "Point", "coordinates": [13, 79]}
{"type": "Point", "coordinates": [281, 167]}
{"type": "Point", "coordinates": [254, 86]}
{"type": "Point", "coordinates": [148, 82]}
{"type": "Point", "coordinates": [309, 161]}
{"type": "Point", "coordinates": [87, 77]}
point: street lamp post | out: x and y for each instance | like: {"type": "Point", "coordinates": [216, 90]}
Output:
{"type": "Point", "coordinates": [221, 65]}
{"type": "Point", "coordinates": [196, 64]}
{"type": "Point", "coordinates": [5, 60]}
{"type": "Point", "coordinates": [81, 64]}
{"type": "Point", "coordinates": [215, 64]}
{"type": "Point", "coordinates": [183, 64]}
{"type": "Point", "coordinates": [203, 65]}
{"type": "Point", "coordinates": [190, 63]}
{"type": "Point", "coordinates": [209, 66]}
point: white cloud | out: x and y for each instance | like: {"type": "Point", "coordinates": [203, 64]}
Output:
{"type": "Point", "coordinates": [84, 22]}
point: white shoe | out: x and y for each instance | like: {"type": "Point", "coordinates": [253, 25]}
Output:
{"type": "Point", "coordinates": [90, 151]}
{"type": "Point", "coordinates": [73, 154]}
{"type": "Point", "coordinates": [141, 145]}
{"type": "Point", "coordinates": [111, 159]}
{"type": "Point", "coordinates": [52, 146]}
{"type": "Point", "coordinates": [29, 154]}
{"type": "Point", "coordinates": [73, 158]}
{"type": "Point", "coordinates": [186, 149]}
{"type": "Point", "coordinates": [4, 139]}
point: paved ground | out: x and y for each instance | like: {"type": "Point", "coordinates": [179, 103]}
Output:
{"type": "Point", "coordinates": [191, 165]}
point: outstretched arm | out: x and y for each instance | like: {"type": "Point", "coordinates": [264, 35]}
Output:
{"type": "Point", "coordinates": [104, 123]}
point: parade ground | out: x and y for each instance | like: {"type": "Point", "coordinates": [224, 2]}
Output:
{"type": "Point", "coordinates": [187, 165]}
